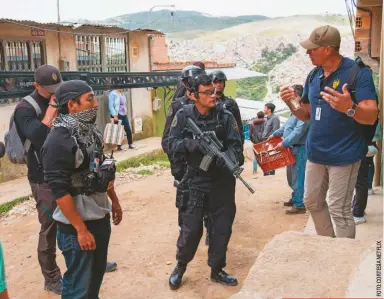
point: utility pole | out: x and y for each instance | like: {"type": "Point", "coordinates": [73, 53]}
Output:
{"type": "Point", "coordinates": [61, 67]}
{"type": "Point", "coordinates": [149, 13]}
{"type": "Point", "coordinates": [58, 11]}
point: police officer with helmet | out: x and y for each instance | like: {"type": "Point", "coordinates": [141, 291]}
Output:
{"type": "Point", "coordinates": [181, 89]}
{"type": "Point", "coordinates": [178, 164]}
{"type": "Point", "coordinates": [186, 80]}
{"type": "Point", "coordinates": [219, 78]}
{"type": "Point", "coordinates": [81, 178]}
{"type": "Point", "coordinates": [211, 192]}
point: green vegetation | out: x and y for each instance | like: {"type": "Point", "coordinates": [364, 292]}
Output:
{"type": "Point", "coordinates": [252, 88]}
{"type": "Point", "coordinates": [5, 208]}
{"type": "Point", "coordinates": [155, 157]}
{"type": "Point", "coordinates": [256, 88]}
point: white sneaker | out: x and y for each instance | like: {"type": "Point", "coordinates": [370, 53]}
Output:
{"type": "Point", "coordinates": [371, 192]}
{"type": "Point", "coordinates": [359, 220]}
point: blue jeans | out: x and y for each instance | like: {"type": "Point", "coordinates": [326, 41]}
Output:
{"type": "Point", "coordinates": [85, 268]}
{"type": "Point", "coordinates": [254, 164]}
{"type": "Point", "coordinates": [296, 175]}
{"type": "Point", "coordinates": [127, 127]}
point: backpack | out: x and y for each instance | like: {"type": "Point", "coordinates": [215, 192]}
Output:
{"type": "Point", "coordinates": [14, 147]}
{"type": "Point", "coordinates": [368, 131]}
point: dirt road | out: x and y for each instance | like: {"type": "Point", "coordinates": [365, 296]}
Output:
{"type": "Point", "coordinates": [144, 244]}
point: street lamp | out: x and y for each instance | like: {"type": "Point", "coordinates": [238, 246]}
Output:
{"type": "Point", "coordinates": [149, 13]}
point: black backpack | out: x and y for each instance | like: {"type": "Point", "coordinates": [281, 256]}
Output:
{"type": "Point", "coordinates": [368, 131]}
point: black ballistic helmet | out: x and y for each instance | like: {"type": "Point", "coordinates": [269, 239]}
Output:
{"type": "Point", "coordinates": [201, 79]}
{"type": "Point", "coordinates": [217, 76]}
{"type": "Point", "coordinates": [190, 72]}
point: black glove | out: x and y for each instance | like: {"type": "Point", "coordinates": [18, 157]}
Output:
{"type": "Point", "coordinates": [193, 146]}
{"type": "Point", "coordinates": [220, 162]}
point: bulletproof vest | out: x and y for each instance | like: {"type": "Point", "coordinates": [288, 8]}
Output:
{"type": "Point", "coordinates": [213, 122]}
{"type": "Point", "coordinates": [227, 103]}
{"type": "Point", "coordinates": [183, 101]}
{"type": "Point", "coordinates": [88, 159]}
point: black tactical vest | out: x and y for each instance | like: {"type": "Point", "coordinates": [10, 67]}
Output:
{"type": "Point", "coordinates": [214, 121]}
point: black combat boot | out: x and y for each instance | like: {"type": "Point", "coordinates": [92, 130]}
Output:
{"type": "Point", "coordinates": [223, 278]}
{"type": "Point", "coordinates": [177, 276]}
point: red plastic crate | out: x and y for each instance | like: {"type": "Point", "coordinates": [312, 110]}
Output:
{"type": "Point", "coordinates": [270, 159]}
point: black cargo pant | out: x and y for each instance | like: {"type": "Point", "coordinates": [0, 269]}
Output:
{"type": "Point", "coordinates": [221, 210]}
{"type": "Point", "coordinates": [46, 249]}
{"type": "Point", "coordinates": [359, 203]}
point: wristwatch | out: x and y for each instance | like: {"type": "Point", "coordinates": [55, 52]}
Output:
{"type": "Point", "coordinates": [351, 111]}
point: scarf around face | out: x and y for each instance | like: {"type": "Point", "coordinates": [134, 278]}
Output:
{"type": "Point", "coordinates": [81, 124]}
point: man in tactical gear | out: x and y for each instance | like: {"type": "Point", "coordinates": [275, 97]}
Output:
{"type": "Point", "coordinates": [81, 179]}
{"type": "Point", "coordinates": [211, 192]}
{"type": "Point", "coordinates": [219, 78]}
{"type": "Point", "coordinates": [186, 80]}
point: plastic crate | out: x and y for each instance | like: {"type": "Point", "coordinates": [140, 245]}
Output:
{"type": "Point", "coordinates": [270, 159]}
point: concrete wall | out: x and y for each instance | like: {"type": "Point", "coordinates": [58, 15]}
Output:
{"type": "Point", "coordinates": [140, 62]}
{"type": "Point", "coordinates": [362, 35]}
{"type": "Point", "coordinates": [51, 39]}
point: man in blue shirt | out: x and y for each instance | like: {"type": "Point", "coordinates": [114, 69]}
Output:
{"type": "Point", "coordinates": [295, 134]}
{"type": "Point", "coordinates": [335, 143]}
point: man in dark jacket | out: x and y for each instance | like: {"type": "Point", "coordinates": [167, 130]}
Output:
{"type": "Point", "coordinates": [81, 179]}
{"type": "Point", "coordinates": [219, 78]}
{"type": "Point", "coordinates": [256, 134]}
{"type": "Point", "coordinates": [210, 192]}
{"type": "Point", "coordinates": [35, 129]}
{"type": "Point", "coordinates": [271, 125]}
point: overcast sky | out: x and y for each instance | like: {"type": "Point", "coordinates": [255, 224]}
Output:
{"type": "Point", "coordinates": [46, 10]}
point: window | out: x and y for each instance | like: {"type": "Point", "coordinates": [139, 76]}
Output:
{"type": "Point", "coordinates": [359, 22]}
{"type": "Point", "coordinates": [2, 58]}
{"type": "Point", "coordinates": [88, 54]}
{"type": "Point", "coordinates": [37, 54]}
{"type": "Point", "coordinates": [116, 54]}
{"type": "Point", "coordinates": [358, 46]}
{"type": "Point", "coordinates": [21, 55]}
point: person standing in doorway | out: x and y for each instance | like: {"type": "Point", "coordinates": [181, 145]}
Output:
{"type": "Point", "coordinates": [117, 104]}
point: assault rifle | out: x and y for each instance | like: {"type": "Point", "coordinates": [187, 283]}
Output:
{"type": "Point", "coordinates": [213, 147]}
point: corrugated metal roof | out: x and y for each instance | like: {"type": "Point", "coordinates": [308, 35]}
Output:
{"type": "Point", "coordinates": [30, 23]}
{"type": "Point", "coordinates": [235, 73]}
{"type": "Point", "coordinates": [77, 26]}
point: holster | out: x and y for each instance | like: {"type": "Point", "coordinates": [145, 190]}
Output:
{"type": "Point", "coordinates": [182, 198]}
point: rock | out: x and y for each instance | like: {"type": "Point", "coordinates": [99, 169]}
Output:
{"type": "Point", "coordinates": [168, 262]}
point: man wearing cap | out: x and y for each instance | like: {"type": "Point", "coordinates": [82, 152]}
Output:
{"type": "Point", "coordinates": [81, 178]}
{"type": "Point", "coordinates": [34, 128]}
{"type": "Point", "coordinates": [335, 143]}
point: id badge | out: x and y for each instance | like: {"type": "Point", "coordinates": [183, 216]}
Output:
{"type": "Point", "coordinates": [318, 113]}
